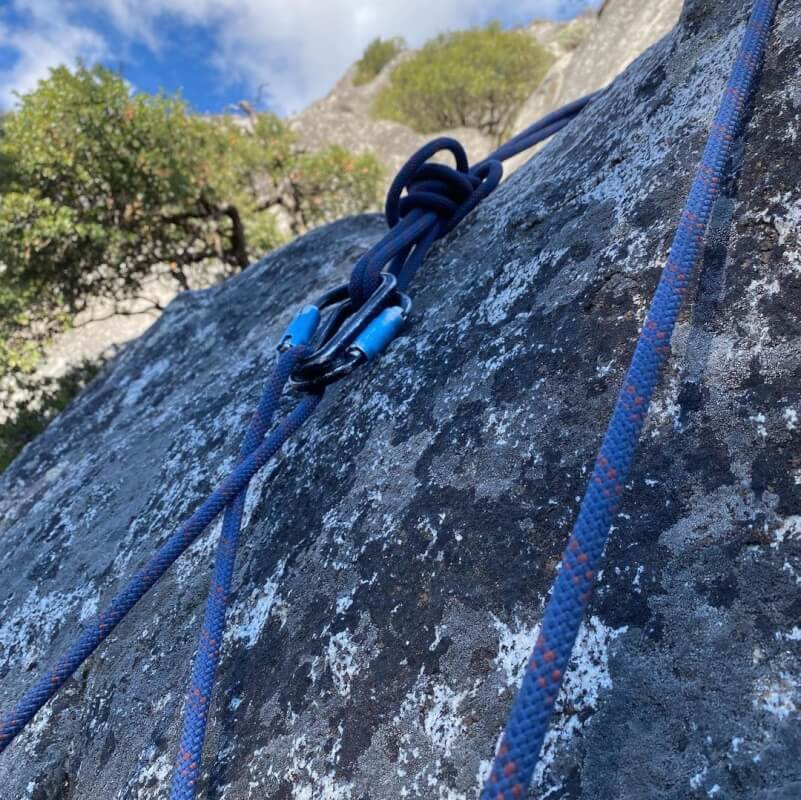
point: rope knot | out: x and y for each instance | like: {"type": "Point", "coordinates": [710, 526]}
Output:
{"type": "Point", "coordinates": [425, 202]}
{"type": "Point", "coordinates": [449, 193]}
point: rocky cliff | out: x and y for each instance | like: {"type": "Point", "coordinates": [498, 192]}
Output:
{"type": "Point", "coordinates": [589, 52]}
{"type": "Point", "coordinates": [398, 554]}
{"type": "Point", "coordinates": [615, 36]}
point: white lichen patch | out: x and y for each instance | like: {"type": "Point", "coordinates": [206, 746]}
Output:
{"type": "Point", "coordinates": [786, 220]}
{"type": "Point", "coordinates": [697, 780]}
{"type": "Point", "coordinates": [136, 388]}
{"type": "Point", "coordinates": [793, 635]}
{"type": "Point", "coordinates": [26, 633]}
{"type": "Point", "coordinates": [301, 772]}
{"type": "Point", "coordinates": [36, 729]}
{"type": "Point", "coordinates": [341, 659]}
{"type": "Point", "coordinates": [514, 282]}
{"type": "Point", "coordinates": [435, 710]}
{"type": "Point", "coordinates": [665, 410]}
{"type": "Point", "coordinates": [777, 695]}
{"type": "Point", "coordinates": [442, 722]}
{"type": "Point", "coordinates": [788, 529]}
{"type": "Point", "coordinates": [151, 778]}
{"type": "Point", "coordinates": [251, 614]}
{"type": "Point", "coordinates": [515, 644]}
{"type": "Point", "coordinates": [344, 602]}
{"type": "Point", "coordinates": [587, 676]}
{"type": "Point", "coordinates": [759, 421]}
{"type": "Point", "coordinates": [89, 608]}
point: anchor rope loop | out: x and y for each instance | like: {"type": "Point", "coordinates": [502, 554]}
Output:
{"type": "Point", "coordinates": [438, 197]}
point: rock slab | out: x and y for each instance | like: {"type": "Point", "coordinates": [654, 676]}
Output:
{"type": "Point", "coordinates": [399, 552]}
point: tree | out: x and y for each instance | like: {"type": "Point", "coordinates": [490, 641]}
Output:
{"type": "Point", "coordinates": [104, 184]}
{"type": "Point", "coordinates": [376, 56]}
{"type": "Point", "coordinates": [99, 187]}
{"type": "Point", "coordinates": [262, 169]}
{"type": "Point", "coordinates": [476, 78]}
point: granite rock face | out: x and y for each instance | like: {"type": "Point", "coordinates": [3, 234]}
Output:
{"type": "Point", "coordinates": [617, 34]}
{"type": "Point", "coordinates": [399, 552]}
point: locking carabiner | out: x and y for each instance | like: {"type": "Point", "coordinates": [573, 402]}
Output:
{"type": "Point", "coordinates": [345, 338]}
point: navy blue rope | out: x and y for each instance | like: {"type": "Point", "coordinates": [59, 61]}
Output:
{"type": "Point", "coordinates": [525, 730]}
{"type": "Point", "coordinates": [231, 488]}
{"type": "Point", "coordinates": [437, 198]}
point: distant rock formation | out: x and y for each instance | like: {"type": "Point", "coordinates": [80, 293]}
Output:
{"type": "Point", "coordinates": [397, 556]}
{"type": "Point", "coordinates": [619, 32]}
{"type": "Point", "coordinates": [589, 51]}
{"type": "Point", "coordinates": [343, 117]}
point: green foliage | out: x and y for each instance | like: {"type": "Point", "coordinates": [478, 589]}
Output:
{"type": "Point", "coordinates": [376, 56]}
{"type": "Point", "coordinates": [99, 187]}
{"type": "Point", "coordinates": [332, 183]}
{"type": "Point", "coordinates": [103, 185]}
{"type": "Point", "coordinates": [476, 78]}
{"type": "Point", "coordinates": [573, 34]}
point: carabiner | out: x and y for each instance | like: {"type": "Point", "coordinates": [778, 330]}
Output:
{"type": "Point", "coordinates": [346, 338]}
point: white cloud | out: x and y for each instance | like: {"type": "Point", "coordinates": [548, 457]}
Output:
{"type": "Point", "coordinates": [297, 47]}
{"type": "Point", "coordinates": [50, 40]}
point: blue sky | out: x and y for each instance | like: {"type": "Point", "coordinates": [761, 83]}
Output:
{"type": "Point", "coordinates": [217, 52]}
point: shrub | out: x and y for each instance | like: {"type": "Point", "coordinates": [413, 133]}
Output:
{"type": "Point", "coordinates": [476, 78]}
{"type": "Point", "coordinates": [333, 183]}
{"type": "Point", "coordinates": [573, 34]}
{"type": "Point", "coordinates": [376, 56]}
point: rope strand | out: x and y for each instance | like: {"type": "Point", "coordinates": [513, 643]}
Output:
{"type": "Point", "coordinates": [525, 731]}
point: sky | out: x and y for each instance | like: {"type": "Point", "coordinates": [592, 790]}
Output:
{"type": "Point", "coordinates": [278, 54]}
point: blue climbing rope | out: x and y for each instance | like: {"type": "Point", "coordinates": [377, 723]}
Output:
{"type": "Point", "coordinates": [525, 730]}
{"type": "Point", "coordinates": [208, 652]}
